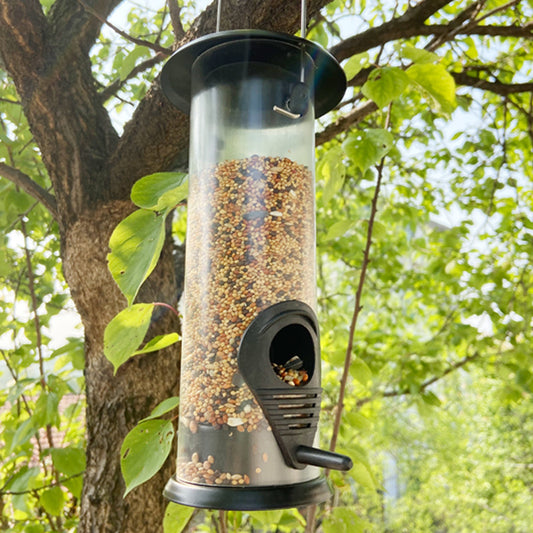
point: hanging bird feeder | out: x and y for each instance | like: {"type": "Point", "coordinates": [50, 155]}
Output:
{"type": "Point", "coordinates": [250, 371]}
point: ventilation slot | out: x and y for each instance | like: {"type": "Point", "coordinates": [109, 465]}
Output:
{"type": "Point", "coordinates": [291, 412]}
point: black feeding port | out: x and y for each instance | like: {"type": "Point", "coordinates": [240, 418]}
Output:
{"type": "Point", "coordinates": [274, 337]}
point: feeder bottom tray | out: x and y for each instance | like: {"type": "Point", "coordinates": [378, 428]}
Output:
{"type": "Point", "coordinates": [247, 498]}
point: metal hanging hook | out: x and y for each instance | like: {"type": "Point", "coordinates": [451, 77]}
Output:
{"type": "Point", "coordinates": [303, 20]}
{"type": "Point", "coordinates": [219, 10]}
{"type": "Point", "coordinates": [297, 104]}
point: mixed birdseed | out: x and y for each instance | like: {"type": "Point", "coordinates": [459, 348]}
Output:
{"type": "Point", "coordinates": [250, 244]}
{"type": "Point", "coordinates": [291, 373]}
{"type": "Point", "coordinates": [197, 471]}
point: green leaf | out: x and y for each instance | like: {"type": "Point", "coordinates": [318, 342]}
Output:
{"type": "Point", "coordinates": [385, 85]}
{"type": "Point", "coordinates": [135, 245]}
{"type": "Point", "coordinates": [176, 517]}
{"type": "Point", "coordinates": [333, 524]}
{"type": "Point", "coordinates": [53, 500]}
{"type": "Point", "coordinates": [34, 528]}
{"type": "Point", "coordinates": [356, 420]}
{"type": "Point", "coordinates": [24, 479]}
{"type": "Point", "coordinates": [124, 334]}
{"type": "Point", "coordinates": [431, 399]}
{"type": "Point", "coordinates": [366, 148]}
{"type": "Point", "coordinates": [159, 191]}
{"type": "Point", "coordinates": [47, 410]}
{"type": "Point", "coordinates": [129, 62]}
{"type": "Point", "coordinates": [360, 371]}
{"type": "Point", "coordinates": [164, 407]}
{"type": "Point", "coordinates": [437, 83]}
{"type": "Point", "coordinates": [333, 171]}
{"type": "Point", "coordinates": [363, 476]}
{"type": "Point", "coordinates": [144, 451]}
{"type": "Point", "coordinates": [355, 64]}
{"type": "Point", "coordinates": [263, 519]}
{"type": "Point", "coordinates": [5, 267]}
{"type": "Point", "coordinates": [344, 519]}
{"type": "Point", "coordinates": [417, 55]}
{"type": "Point", "coordinates": [23, 434]}
{"type": "Point", "coordinates": [338, 229]}
{"type": "Point", "coordinates": [158, 343]}
{"type": "Point", "coordinates": [68, 461]}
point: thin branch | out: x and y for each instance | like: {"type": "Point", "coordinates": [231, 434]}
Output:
{"type": "Point", "coordinates": [222, 518]}
{"type": "Point", "coordinates": [37, 323]}
{"type": "Point", "coordinates": [174, 9]}
{"type": "Point", "coordinates": [29, 186]}
{"type": "Point", "coordinates": [311, 511]}
{"type": "Point", "coordinates": [310, 519]}
{"type": "Point", "coordinates": [497, 87]}
{"type": "Point", "coordinates": [509, 4]}
{"type": "Point", "coordinates": [141, 67]}
{"type": "Point", "coordinates": [403, 392]}
{"type": "Point", "coordinates": [15, 377]}
{"type": "Point", "coordinates": [525, 31]}
{"type": "Point", "coordinates": [168, 306]}
{"type": "Point", "coordinates": [463, 20]}
{"type": "Point", "coordinates": [127, 36]}
{"type": "Point", "coordinates": [356, 115]}
{"type": "Point", "coordinates": [44, 487]}
{"type": "Point", "coordinates": [527, 114]}
{"type": "Point", "coordinates": [412, 24]}
{"type": "Point", "coordinates": [357, 307]}
{"type": "Point", "coordinates": [407, 25]}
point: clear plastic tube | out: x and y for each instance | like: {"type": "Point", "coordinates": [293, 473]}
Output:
{"type": "Point", "coordinates": [250, 245]}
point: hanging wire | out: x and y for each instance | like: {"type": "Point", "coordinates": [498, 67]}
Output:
{"type": "Point", "coordinates": [303, 32]}
{"type": "Point", "coordinates": [303, 22]}
{"type": "Point", "coordinates": [219, 5]}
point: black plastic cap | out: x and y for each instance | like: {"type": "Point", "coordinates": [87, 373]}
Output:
{"type": "Point", "coordinates": [329, 80]}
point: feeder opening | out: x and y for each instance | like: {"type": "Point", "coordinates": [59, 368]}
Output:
{"type": "Point", "coordinates": [292, 355]}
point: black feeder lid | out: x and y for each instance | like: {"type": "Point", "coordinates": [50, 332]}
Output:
{"type": "Point", "coordinates": [329, 77]}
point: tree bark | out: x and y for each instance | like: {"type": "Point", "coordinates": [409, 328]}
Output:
{"type": "Point", "coordinates": [92, 170]}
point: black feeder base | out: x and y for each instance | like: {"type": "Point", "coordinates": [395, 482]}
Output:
{"type": "Point", "coordinates": [249, 498]}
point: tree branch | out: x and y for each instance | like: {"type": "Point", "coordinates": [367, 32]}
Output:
{"type": "Point", "coordinates": [497, 87]}
{"type": "Point", "coordinates": [402, 392]}
{"type": "Point", "coordinates": [412, 25]}
{"type": "Point", "coordinates": [127, 36]}
{"type": "Point", "coordinates": [141, 67]}
{"type": "Point", "coordinates": [407, 25]}
{"type": "Point", "coordinates": [525, 31]}
{"type": "Point", "coordinates": [175, 16]}
{"type": "Point", "coordinates": [344, 123]}
{"type": "Point", "coordinates": [358, 295]}
{"type": "Point", "coordinates": [38, 489]}
{"type": "Point", "coordinates": [53, 77]}
{"type": "Point", "coordinates": [30, 187]}
{"type": "Point", "coordinates": [73, 26]}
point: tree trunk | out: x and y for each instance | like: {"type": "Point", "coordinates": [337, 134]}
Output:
{"type": "Point", "coordinates": [115, 403]}
{"type": "Point", "coordinates": [92, 170]}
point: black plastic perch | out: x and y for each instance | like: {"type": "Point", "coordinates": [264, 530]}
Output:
{"type": "Point", "coordinates": [250, 373]}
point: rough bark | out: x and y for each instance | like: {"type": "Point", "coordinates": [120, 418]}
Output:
{"type": "Point", "coordinates": [92, 170]}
